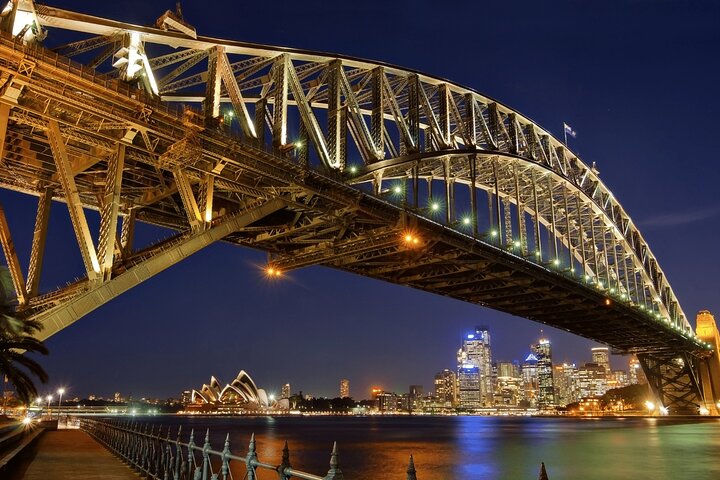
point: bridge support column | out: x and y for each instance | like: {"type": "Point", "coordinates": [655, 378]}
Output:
{"type": "Point", "coordinates": [709, 368]}
{"type": "Point", "coordinates": [673, 382]}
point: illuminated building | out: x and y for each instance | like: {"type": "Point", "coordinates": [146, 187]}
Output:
{"type": "Point", "coordinates": [445, 387]}
{"type": "Point", "coordinates": [564, 377]}
{"type": "Point", "coordinates": [469, 387]}
{"type": "Point", "coordinates": [285, 391]}
{"type": "Point", "coordinates": [508, 385]}
{"type": "Point", "coordinates": [374, 392]}
{"type": "Point", "coordinates": [476, 351]}
{"type": "Point", "coordinates": [635, 372]}
{"type": "Point", "coordinates": [529, 379]}
{"type": "Point", "coordinates": [591, 380]}
{"type": "Point", "coordinates": [600, 355]}
{"type": "Point", "coordinates": [240, 393]}
{"type": "Point", "coordinates": [344, 388]}
{"type": "Point", "coordinates": [617, 379]}
{"type": "Point", "coordinates": [545, 386]}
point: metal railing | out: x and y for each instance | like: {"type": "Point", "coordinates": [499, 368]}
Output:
{"type": "Point", "coordinates": [162, 458]}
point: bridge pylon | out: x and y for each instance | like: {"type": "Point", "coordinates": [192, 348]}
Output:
{"type": "Point", "coordinates": [709, 369]}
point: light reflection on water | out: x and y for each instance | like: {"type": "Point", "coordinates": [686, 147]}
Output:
{"type": "Point", "coordinates": [487, 448]}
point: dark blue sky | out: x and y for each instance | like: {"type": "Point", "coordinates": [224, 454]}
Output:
{"type": "Point", "coordinates": [638, 82]}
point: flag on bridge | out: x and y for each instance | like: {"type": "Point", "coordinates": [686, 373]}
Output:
{"type": "Point", "coordinates": [569, 130]}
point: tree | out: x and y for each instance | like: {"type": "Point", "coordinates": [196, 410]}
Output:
{"type": "Point", "coordinates": [16, 340]}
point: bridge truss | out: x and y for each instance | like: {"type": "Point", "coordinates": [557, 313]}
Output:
{"type": "Point", "coordinates": [317, 160]}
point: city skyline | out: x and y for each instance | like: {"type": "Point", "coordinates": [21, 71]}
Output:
{"type": "Point", "coordinates": [218, 301]}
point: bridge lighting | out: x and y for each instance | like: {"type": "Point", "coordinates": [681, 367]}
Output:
{"type": "Point", "coordinates": [466, 220]}
{"type": "Point", "coordinates": [494, 233]}
{"type": "Point", "coordinates": [397, 190]}
{"type": "Point", "coordinates": [608, 302]}
{"type": "Point", "coordinates": [663, 411]}
{"type": "Point", "coordinates": [273, 272]}
{"type": "Point", "coordinates": [230, 113]}
{"type": "Point", "coordinates": [411, 239]}
{"type": "Point", "coordinates": [298, 144]}
{"type": "Point", "coordinates": [612, 290]}
{"type": "Point", "coordinates": [516, 244]}
{"type": "Point", "coordinates": [704, 411]}
{"type": "Point", "coordinates": [434, 206]}
{"type": "Point", "coordinates": [650, 405]}
{"type": "Point", "coordinates": [601, 285]}
{"type": "Point", "coordinates": [556, 262]}
{"type": "Point", "coordinates": [353, 169]}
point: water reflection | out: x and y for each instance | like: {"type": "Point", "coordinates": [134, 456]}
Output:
{"type": "Point", "coordinates": [486, 448]}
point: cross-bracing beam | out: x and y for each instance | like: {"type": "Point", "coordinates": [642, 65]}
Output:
{"type": "Point", "coordinates": [58, 318]}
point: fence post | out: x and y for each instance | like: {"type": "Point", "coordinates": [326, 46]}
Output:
{"type": "Point", "coordinates": [285, 462]}
{"type": "Point", "coordinates": [251, 458]}
{"type": "Point", "coordinates": [206, 455]}
{"type": "Point", "coordinates": [411, 470]}
{"type": "Point", "coordinates": [543, 472]}
{"type": "Point", "coordinates": [334, 473]}
{"type": "Point", "coordinates": [225, 467]}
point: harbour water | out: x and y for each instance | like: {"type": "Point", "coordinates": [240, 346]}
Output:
{"type": "Point", "coordinates": [493, 448]}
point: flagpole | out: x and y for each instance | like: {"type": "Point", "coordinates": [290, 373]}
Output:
{"type": "Point", "coordinates": [565, 132]}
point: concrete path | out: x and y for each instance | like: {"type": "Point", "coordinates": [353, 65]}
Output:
{"type": "Point", "coordinates": [65, 454]}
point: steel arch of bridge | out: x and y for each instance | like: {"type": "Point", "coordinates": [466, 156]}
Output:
{"type": "Point", "coordinates": [324, 160]}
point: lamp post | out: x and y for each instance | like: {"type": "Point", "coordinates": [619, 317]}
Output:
{"type": "Point", "coordinates": [48, 398]}
{"type": "Point", "coordinates": [60, 392]}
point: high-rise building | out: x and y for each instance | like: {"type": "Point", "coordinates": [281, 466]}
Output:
{"type": "Point", "coordinates": [475, 350]}
{"type": "Point", "coordinates": [635, 372]}
{"type": "Point", "coordinates": [469, 386]}
{"type": "Point", "coordinates": [617, 379]}
{"type": "Point", "coordinates": [546, 388]}
{"type": "Point", "coordinates": [374, 392]}
{"type": "Point", "coordinates": [565, 383]}
{"type": "Point", "coordinates": [601, 356]}
{"type": "Point", "coordinates": [285, 391]}
{"type": "Point", "coordinates": [445, 387]}
{"type": "Point", "coordinates": [344, 388]}
{"type": "Point", "coordinates": [591, 380]}
{"type": "Point", "coordinates": [529, 371]}
{"type": "Point", "coordinates": [508, 384]}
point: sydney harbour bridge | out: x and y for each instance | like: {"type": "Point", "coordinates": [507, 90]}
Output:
{"type": "Point", "coordinates": [320, 160]}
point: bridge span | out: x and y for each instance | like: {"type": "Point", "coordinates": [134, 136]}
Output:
{"type": "Point", "coordinates": [321, 160]}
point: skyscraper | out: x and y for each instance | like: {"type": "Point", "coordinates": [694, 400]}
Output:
{"type": "Point", "coordinates": [285, 391]}
{"type": "Point", "coordinates": [469, 386]}
{"type": "Point", "coordinates": [546, 387]}
{"type": "Point", "coordinates": [475, 350]}
{"type": "Point", "coordinates": [564, 377]}
{"type": "Point", "coordinates": [530, 380]}
{"type": "Point", "coordinates": [344, 388]}
{"type": "Point", "coordinates": [445, 387]}
{"type": "Point", "coordinates": [600, 355]}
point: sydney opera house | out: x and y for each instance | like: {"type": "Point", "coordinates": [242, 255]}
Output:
{"type": "Point", "coordinates": [240, 395]}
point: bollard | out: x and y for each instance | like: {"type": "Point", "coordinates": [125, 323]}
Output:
{"type": "Point", "coordinates": [334, 473]}
{"type": "Point", "coordinates": [543, 473]}
{"type": "Point", "coordinates": [411, 470]}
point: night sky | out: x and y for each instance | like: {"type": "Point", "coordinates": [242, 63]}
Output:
{"type": "Point", "coordinates": [637, 80]}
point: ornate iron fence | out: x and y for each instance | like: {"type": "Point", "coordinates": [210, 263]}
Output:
{"type": "Point", "coordinates": [159, 457]}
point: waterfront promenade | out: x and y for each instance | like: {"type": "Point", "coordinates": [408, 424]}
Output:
{"type": "Point", "coordinates": [72, 453]}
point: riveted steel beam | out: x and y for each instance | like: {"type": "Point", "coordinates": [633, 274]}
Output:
{"type": "Point", "coordinates": [72, 196]}
{"type": "Point", "coordinates": [67, 313]}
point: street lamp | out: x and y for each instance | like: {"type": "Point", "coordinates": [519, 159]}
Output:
{"type": "Point", "coordinates": [60, 392]}
{"type": "Point", "coordinates": [48, 398]}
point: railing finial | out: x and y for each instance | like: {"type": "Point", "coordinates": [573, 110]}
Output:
{"type": "Point", "coordinates": [334, 473]}
{"type": "Point", "coordinates": [543, 472]}
{"type": "Point", "coordinates": [411, 469]}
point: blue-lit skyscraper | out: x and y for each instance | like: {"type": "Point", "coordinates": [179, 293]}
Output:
{"type": "Point", "coordinates": [475, 352]}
